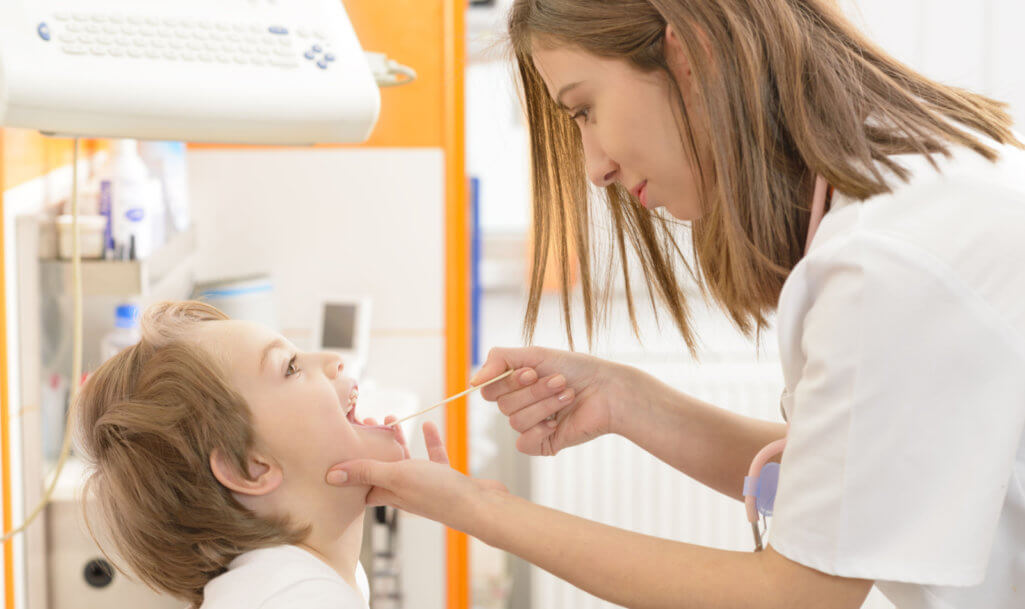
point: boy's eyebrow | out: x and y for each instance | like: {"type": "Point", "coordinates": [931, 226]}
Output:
{"type": "Point", "coordinates": [277, 343]}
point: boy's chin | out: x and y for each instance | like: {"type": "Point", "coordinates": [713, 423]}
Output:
{"type": "Point", "coordinates": [393, 453]}
{"type": "Point", "coordinates": [384, 447]}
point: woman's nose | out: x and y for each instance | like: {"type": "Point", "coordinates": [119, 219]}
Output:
{"type": "Point", "coordinates": [602, 176]}
{"type": "Point", "coordinates": [601, 170]}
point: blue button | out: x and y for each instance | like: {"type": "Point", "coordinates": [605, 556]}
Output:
{"type": "Point", "coordinates": [322, 64]}
{"type": "Point", "coordinates": [316, 48]}
{"type": "Point", "coordinates": [329, 57]}
{"type": "Point", "coordinates": [277, 29]}
{"type": "Point", "coordinates": [309, 55]}
{"type": "Point", "coordinates": [44, 31]}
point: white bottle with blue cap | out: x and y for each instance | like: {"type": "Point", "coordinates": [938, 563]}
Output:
{"type": "Point", "coordinates": [125, 332]}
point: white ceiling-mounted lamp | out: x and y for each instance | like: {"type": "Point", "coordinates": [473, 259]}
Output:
{"type": "Point", "coordinates": [233, 71]}
{"type": "Point", "coordinates": [271, 72]}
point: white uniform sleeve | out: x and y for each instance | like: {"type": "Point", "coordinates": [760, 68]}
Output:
{"type": "Point", "coordinates": [315, 594]}
{"type": "Point", "coordinates": [904, 423]}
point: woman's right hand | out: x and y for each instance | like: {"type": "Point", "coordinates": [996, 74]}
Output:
{"type": "Point", "coordinates": [582, 394]}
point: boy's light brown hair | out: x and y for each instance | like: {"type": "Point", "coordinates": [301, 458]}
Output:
{"type": "Point", "coordinates": [147, 421]}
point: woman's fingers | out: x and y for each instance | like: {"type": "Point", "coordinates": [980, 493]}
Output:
{"type": "Point", "coordinates": [539, 441]}
{"type": "Point", "coordinates": [547, 387]}
{"type": "Point", "coordinates": [499, 360]}
{"type": "Point", "coordinates": [522, 377]}
{"type": "Point", "coordinates": [435, 447]}
{"type": "Point", "coordinates": [530, 416]}
{"type": "Point", "coordinates": [400, 436]}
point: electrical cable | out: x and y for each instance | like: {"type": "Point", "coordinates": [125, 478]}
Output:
{"type": "Point", "coordinates": [387, 72]}
{"type": "Point", "coordinates": [76, 356]}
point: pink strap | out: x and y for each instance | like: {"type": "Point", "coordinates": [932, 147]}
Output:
{"type": "Point", "coordinates": [818, 211]}
{"type": "Point", "coordinates": [759, 462]}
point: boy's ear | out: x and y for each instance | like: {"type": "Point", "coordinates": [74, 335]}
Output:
{"type": "Point", "coordinates": [265, 474]}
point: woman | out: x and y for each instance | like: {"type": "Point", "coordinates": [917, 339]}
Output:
{"type": "Point", "coordinates": [901, 330]}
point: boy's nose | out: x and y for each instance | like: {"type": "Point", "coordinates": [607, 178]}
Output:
{"type": "Point", "coordinates": [333, 365]}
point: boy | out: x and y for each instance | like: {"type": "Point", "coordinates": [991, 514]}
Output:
{"type": "Point", "coordinates": [209, 442]}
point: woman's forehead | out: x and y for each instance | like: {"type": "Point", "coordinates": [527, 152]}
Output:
{"type": "Point", "coordinates": [562, 66]}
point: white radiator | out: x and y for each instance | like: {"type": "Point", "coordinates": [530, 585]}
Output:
{"type": "Point", "coordinates": [612, 481]}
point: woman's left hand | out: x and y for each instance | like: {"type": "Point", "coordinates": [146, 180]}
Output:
{"type": "Point", "coordinates": [431, 489]}
{"type": "Point", "coordinates": [400, 436]}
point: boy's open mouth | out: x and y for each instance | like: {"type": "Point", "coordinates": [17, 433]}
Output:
{"type": "Point", "coordinates": [350, 407]}
{"type": "Point", "coordinates": [350, 412]}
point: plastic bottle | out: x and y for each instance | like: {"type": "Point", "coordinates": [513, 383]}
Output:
{"type": "Point", "coordinates": [130, 199]}
{"type": "Point", "coordinates": [166, 161]}
{"type": "Point", "coordinates": [125, 332]}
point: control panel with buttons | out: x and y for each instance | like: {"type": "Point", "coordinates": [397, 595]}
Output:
{"type": "Point", "coordinates": [184, 39]}
{"type": "Point", "coordinates": [249, 71]}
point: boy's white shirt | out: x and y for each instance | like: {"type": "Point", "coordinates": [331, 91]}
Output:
{"type": "Point", "coordinates": [284, 577]}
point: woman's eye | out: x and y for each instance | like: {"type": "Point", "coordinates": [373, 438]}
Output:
{"type": "Point", "coordinates": [584, 113]}
{"type": "Point", "coordinates": [292, 368]}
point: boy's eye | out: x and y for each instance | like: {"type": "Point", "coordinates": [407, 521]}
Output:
{"type": "Point", "coordinates": [292, 368]}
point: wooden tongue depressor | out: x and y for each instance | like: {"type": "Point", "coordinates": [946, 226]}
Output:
{"type": "Point", "coordinates": [455, 397]}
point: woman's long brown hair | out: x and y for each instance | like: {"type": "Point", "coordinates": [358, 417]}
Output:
{"type": "Point", "coordinates": [790, 88]}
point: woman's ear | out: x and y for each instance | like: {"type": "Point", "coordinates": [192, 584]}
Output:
{"type": "Point", "coordinates": [264, 474]}
{"type": "Point", "coordinates": [676, 56]}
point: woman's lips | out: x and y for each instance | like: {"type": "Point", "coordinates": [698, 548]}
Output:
{"type": "Point", "coordinates": [641, 192]}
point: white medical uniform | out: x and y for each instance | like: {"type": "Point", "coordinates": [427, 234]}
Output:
{"type": "Point", "coordinates": [902, 335]}
{"type": "Point", "coordinates": [283, 577]}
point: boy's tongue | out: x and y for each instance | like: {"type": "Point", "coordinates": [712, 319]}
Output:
{"type": "Point", "coordinates": [356, 422]}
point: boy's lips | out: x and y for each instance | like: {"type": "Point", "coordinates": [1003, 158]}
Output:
{"type": "Point", "coordinates": [350, 412]}
{"type": "Point", "coordinates": [350, 406]}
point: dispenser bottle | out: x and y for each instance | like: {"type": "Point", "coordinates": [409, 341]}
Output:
{"type": "Point", "coordinates": [130, 199]}
{"type": "Point", "coordinates": [125, 332]}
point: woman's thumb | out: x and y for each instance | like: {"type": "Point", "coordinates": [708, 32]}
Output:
{"type": "Point", "coordinates": [499, 360]}
{"type": "Point", "coordinates": [358, 473]}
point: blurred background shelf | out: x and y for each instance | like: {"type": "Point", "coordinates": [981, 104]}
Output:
{"type": "Point", "coordinates": [167, 273]}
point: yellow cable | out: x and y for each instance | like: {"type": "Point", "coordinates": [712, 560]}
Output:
{"type": "Point", "coordinates": [76, 356]}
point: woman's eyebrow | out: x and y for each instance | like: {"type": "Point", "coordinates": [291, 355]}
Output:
{"type": "Point", "coordinates": [565, 90]}
{"type": "Point", "coordinates": [277, 343]}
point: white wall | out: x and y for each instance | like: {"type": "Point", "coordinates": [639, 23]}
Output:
{"type": "Point", "coordinates": [976, 44]}
{"type": "Point", "coordinates": [329, 222]}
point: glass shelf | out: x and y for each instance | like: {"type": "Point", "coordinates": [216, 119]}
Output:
{"type": "Point", "coordinates": [169, 266]}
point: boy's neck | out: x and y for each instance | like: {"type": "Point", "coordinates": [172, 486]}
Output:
{"type": "Point", "coordinates": [339, 551]}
